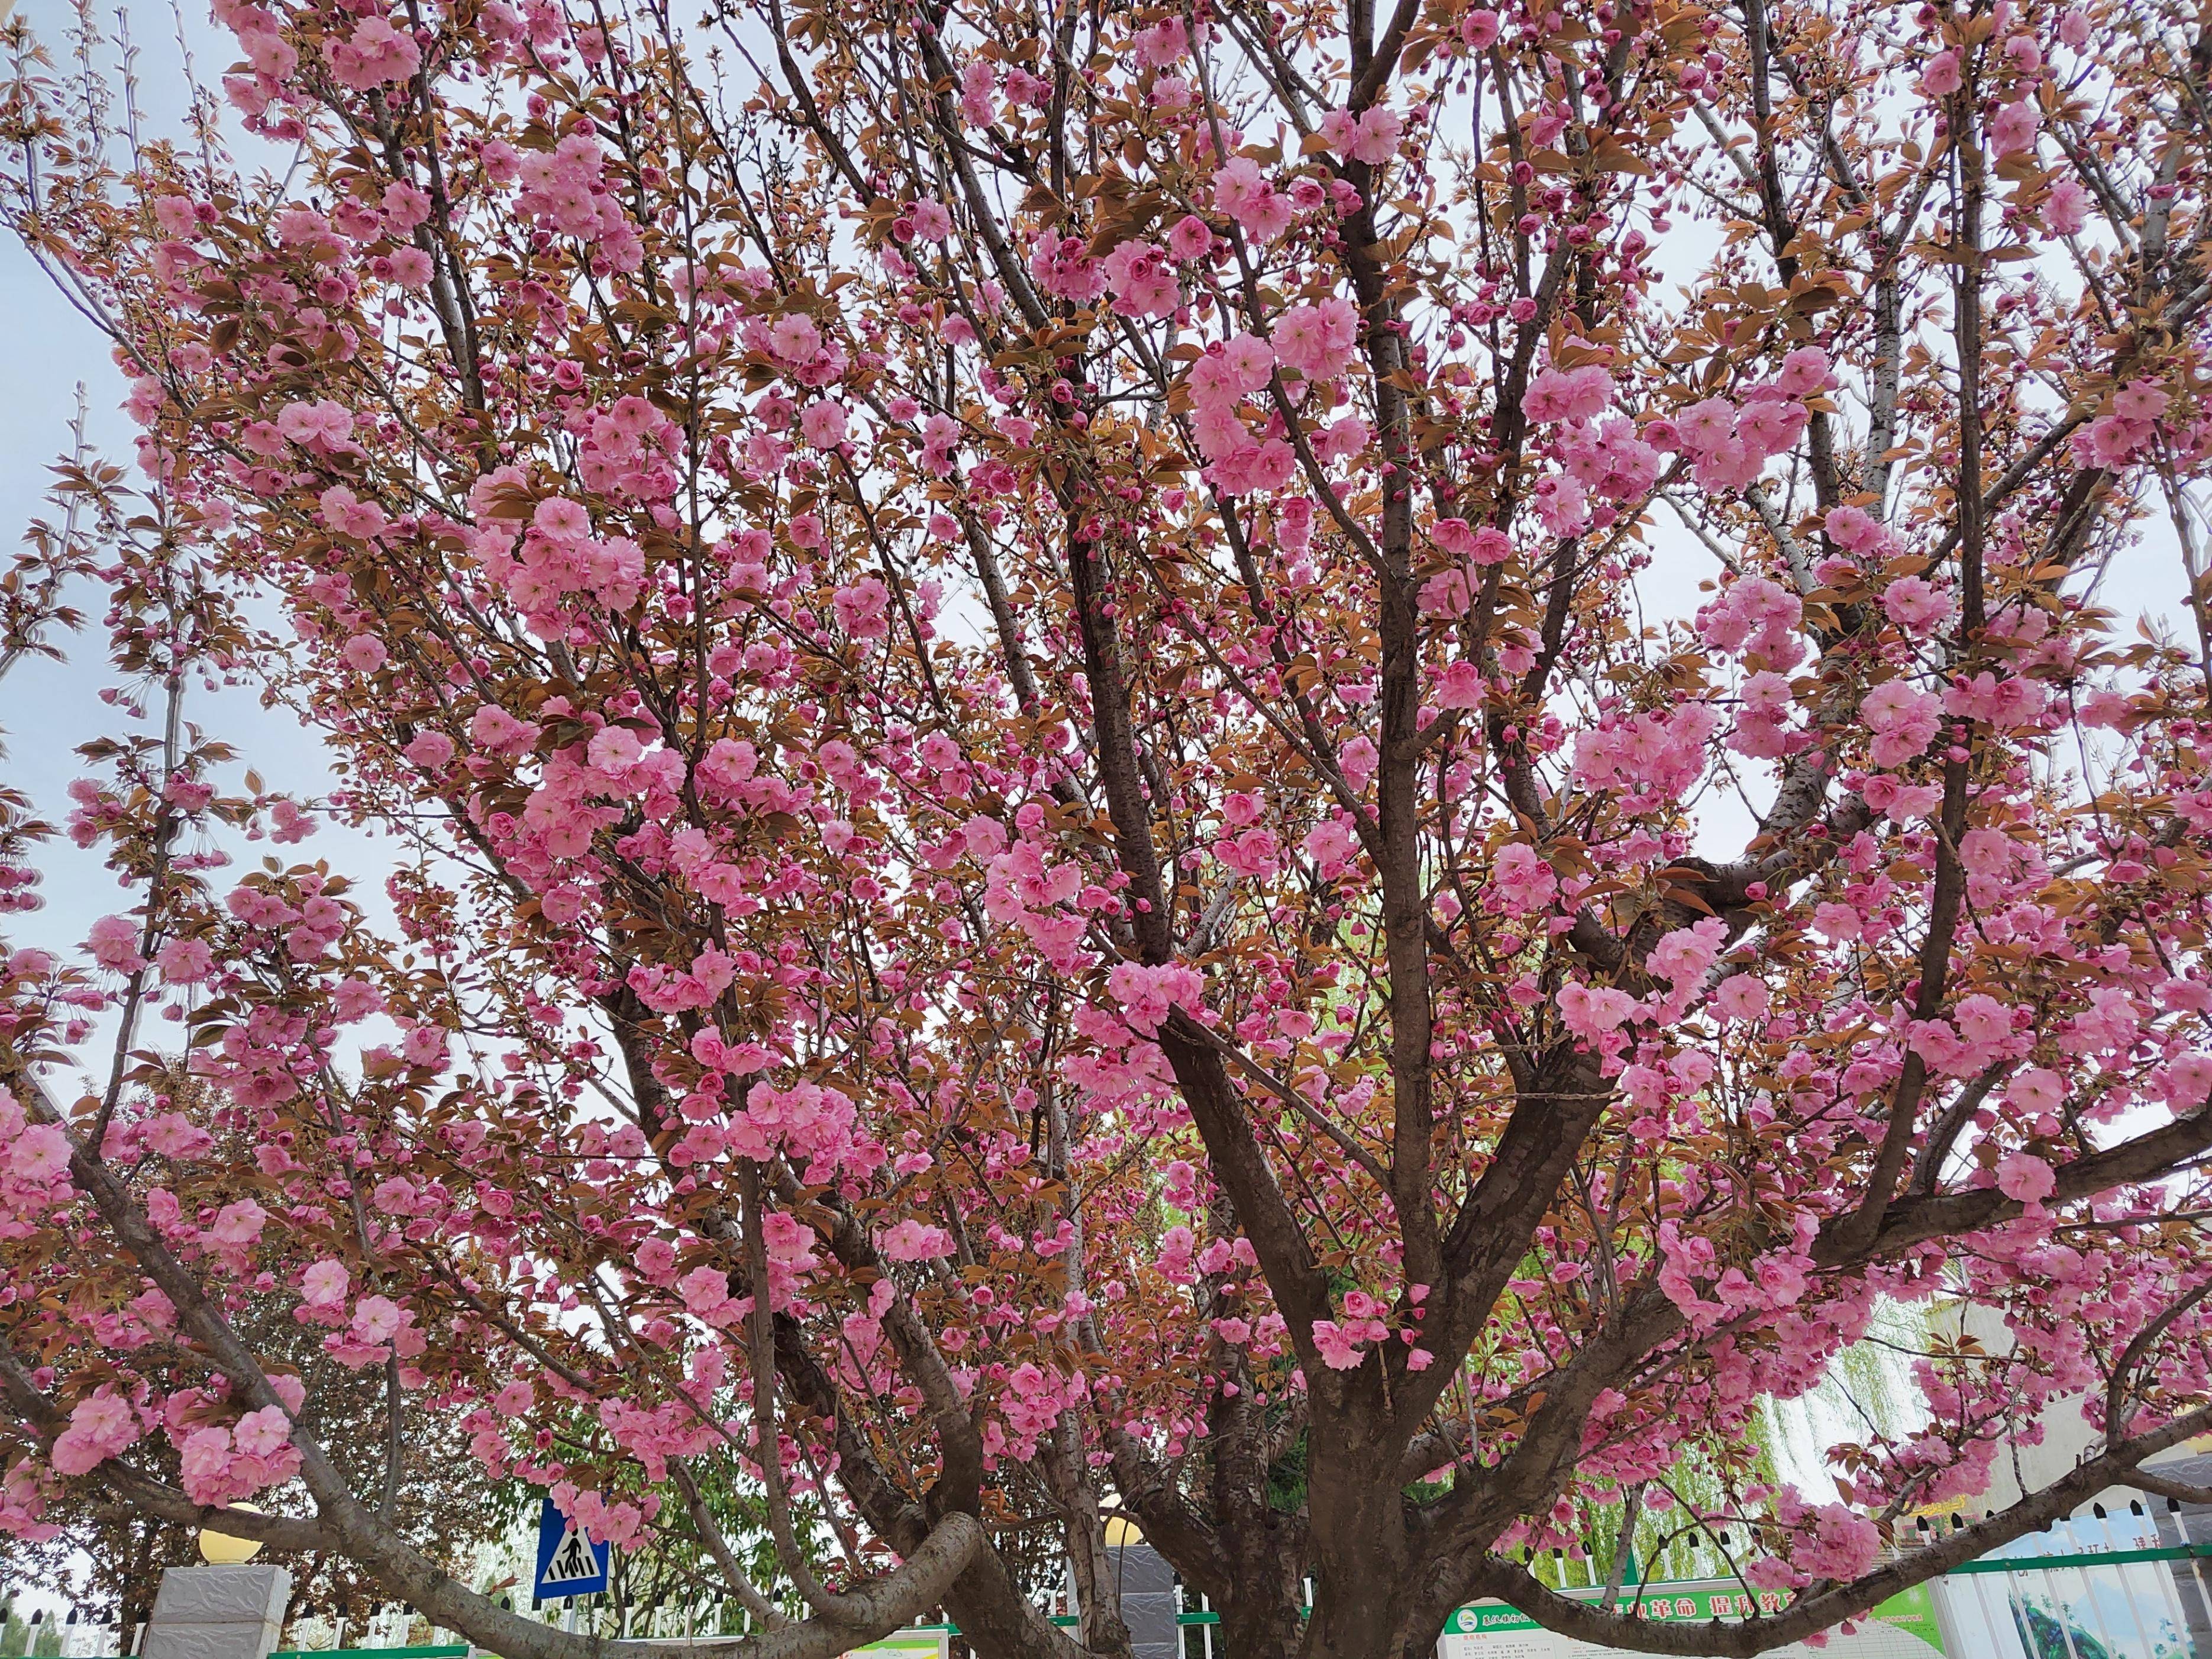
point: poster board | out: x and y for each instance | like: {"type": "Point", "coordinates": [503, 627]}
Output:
{"type": "Point", "coordinates": [1903, 1627]}
{"type": "Point", "coordinates": [922, 1642]}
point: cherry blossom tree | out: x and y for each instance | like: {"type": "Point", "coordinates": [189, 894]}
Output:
{"type": "Point", "coordinates": [1137, 746]}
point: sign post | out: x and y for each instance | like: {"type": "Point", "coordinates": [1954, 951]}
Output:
{"type": "Point", "coordinates": [569, 1563]}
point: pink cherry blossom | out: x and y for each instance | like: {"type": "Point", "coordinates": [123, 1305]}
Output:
{"type": "Point", "coordinates": [1941, 77]}
{"type": "Point", "coordinates": [2025, 1177]}
{"type": "Point", "coordinates": [112, 942]}
{"type": "Point", "coordinates": [2014, 127]}
{"type": "Point", "coordinates": [915, 1241]}
{"type": "Point", "coordinates": [1901, 719]}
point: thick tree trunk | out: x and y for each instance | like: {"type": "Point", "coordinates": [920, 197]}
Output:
{"type": "Point", "coordinates": [1263, 1614]}
{"type": "Point", "coordinates": [1364, 1617]}
{"type": "Point", "coordinates": [1364, 1562]}
{"type": "Point", "coordinates": [1273, 1627]}
{"type": "Point", "coordinates": [1358, 1614]}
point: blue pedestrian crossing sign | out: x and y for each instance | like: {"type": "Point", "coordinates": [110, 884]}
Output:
{"type": "Point", "coordinates": [568, 1562]}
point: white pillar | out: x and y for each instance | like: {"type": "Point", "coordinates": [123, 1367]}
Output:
{"type": "Point", "coordinates": [218, 1613]}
